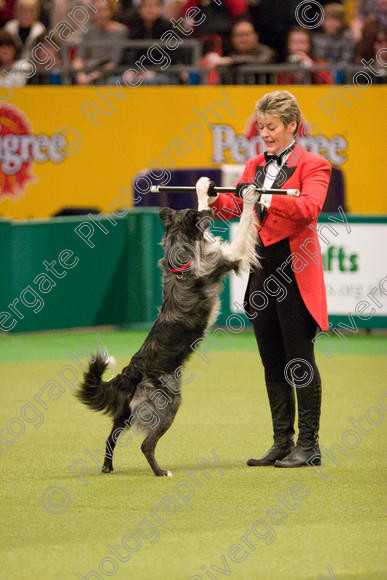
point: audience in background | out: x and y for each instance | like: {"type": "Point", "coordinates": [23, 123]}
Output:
{"type": "Point", "coordinates": [126, 9]}
{"type": "Point", "coordinates": [375, 10]}
{"type": "Point", "coordinates": [233, 34]}
{"type": "Point", "coordinates": [212, 58]}
{"type": "Point", "coordinates": [373, 37]}
{"type": "Point", "coordinates": [48, 70]}
{"type": "Point", "coordinates": [173, 8]}
{"type": "Point", "coordinates": [60, 10]}
{"type": "Point", "coordinates": [101, 48]}
{"type": "Point", "coordinates": [45, 9]}
{"type": "Point", "coordinates": [9, 53]}
{"type": "Point", "coordinates": [272, 19]}
{"type": "Point", "coordinates": [219, 18]}
{"type": "Point", "coordinates": [245, 46]}
{"type": "Point", "coordinates": [373, 40]}
{"type": "Point", "coordinates": [381, 13]}
{"type": "Point", "coordinates": [299, 51]}
{"type": "Point", "coordinates": [6, 11]}
{"type": "Point", "coordinates": [148, 23]}
{"type": "Point", "coordinates": [25, 27]}
{"type": "Point", "coordinates": [245, 49]}
{"type": "Point", "coordinates": [335, 44]}
{"type": "Point", "coordinates": [372, 24]}
{"type": "Point", "coordinates": [380, 42]}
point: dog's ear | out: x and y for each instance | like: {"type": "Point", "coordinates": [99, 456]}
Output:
{"type": "Point", "coordinates": [193, 224]}
{"type": "Point", "coordinates": [206, 213]}
{"type": "Point", "coordinates": [165, 214]}
{"type": "Point", "coordinates": [203, 221]}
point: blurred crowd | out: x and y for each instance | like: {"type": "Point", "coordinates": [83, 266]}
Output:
{"type": "Point", "coordinates": [238, 40]}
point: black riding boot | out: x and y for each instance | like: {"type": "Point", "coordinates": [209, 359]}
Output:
{"type": "Point", "coordinates": [309, 407]}
{"type": "Point", "coordinates": [281, 398]}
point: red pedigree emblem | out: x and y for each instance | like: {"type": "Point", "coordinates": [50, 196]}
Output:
{"type": "Point", "coordinates": [16, 162]}
{"type": "Point", "coordinates": [20, 148]}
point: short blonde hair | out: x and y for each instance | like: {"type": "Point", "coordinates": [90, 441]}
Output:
{"type": "Point", "coordinates": [282, 104]}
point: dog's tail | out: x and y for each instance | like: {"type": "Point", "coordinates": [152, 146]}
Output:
{"type": "Point", "coordinates": [97, 394]}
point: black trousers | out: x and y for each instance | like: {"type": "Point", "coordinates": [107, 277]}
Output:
{"type": "Point", "coordinates": [283, 326]}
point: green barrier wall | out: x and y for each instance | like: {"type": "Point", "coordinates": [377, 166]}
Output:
{"type": "Point", "coordinates": [92, 292]}
{"type": "Point", "coordinates": [115, 282]}
{"type": "Point", "coordinates": [144, 252]}
{"type": "Point", "coordinates": [6, 262]}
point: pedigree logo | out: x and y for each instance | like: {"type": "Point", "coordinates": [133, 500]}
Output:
{"type": "Point", "coordinates": [20, 148]}
{"type": "Point", "coordinates": [230, 147]}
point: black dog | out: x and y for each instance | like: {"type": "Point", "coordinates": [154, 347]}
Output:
{"type": "Point", "coordinates": [147, 392]}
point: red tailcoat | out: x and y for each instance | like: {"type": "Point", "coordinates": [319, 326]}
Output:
{"type": "Point", "coordinates": [294, 218]}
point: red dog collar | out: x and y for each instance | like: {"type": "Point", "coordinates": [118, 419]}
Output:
{"type": "Point", "coordinates": [181, 268]}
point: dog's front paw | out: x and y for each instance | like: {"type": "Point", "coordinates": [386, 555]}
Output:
{"type": "Point", "coordinates": [205, 189]}
{"type": "Point", "coordinates": [249, 195]}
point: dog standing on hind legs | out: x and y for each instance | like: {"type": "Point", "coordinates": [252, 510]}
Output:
{"type": "Point", "coordinates": [146, 394]}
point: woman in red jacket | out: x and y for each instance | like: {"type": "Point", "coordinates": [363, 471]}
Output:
{"type": "Point", "coordinates": [285, 299]}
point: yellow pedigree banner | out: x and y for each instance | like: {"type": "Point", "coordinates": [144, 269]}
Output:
{"type": "Point", "coordinates": [83, 146]}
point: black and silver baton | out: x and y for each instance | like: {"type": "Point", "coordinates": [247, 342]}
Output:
{"type": "Point", "coordinates": [185, 189]}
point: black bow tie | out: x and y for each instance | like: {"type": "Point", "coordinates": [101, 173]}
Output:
{"type": "Point", "coordinates": [272, 157]}
{"type": "Point", "coordinates": [269, 157]}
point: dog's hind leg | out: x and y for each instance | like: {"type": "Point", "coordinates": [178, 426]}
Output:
{"type": "Point", "coordinates": [153, 435]}
{"type": "Point", "coordinates": [118, 425]}
{"type": "Point", "coordinates": [148, 448]}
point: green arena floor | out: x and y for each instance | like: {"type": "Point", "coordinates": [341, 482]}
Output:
{"type": "Point", "coordinates": [308, 523]}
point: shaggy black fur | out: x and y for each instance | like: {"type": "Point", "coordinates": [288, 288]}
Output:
{"type": "Point", "coordinates": [147, 391]}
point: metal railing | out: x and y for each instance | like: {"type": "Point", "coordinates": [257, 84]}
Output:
{"type": "Point", "coordinates": [188, 70]}
{"type": "Point", "coordinates": [190, 52]}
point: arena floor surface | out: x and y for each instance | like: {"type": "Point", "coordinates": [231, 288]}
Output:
{"type": "Point", "coordinates": [308, 523]}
